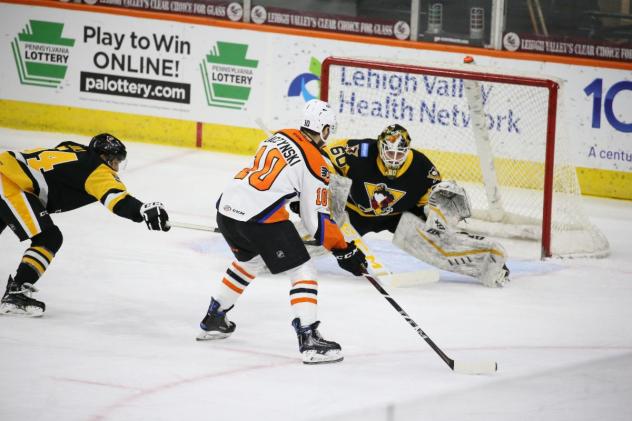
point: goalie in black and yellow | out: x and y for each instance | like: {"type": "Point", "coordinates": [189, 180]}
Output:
{"type": "Point", "coordinates": [35, 183]}
{"type": "Point", "coordinates": [388, 178]}
{"type": "Point", "coordinates": [397, 188]}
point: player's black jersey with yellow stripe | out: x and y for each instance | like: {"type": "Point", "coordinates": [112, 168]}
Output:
{"type": "Point", "coordinates": [372, 192]}
{"type": "Point", "coordinates": [68, 177]}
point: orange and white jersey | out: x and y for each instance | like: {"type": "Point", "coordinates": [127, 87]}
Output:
{"type": "Point", "coordinates": [286, 166]}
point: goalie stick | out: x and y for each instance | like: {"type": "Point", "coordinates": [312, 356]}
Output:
{"type": "Point", "coordinates": [387, 277]}
{"type": "Point", "coordinates": [487, 367]}
{"type": "Point", "coordinates": [339, 187]}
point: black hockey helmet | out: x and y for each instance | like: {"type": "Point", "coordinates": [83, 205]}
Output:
{"type": "Point", "coordinates": [109, 147]}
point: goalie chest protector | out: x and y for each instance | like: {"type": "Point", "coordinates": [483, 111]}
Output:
{"type": "Point", "coordinates": [374, 194]}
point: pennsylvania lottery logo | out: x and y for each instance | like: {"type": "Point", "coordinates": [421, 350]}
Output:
{"type": "Point", "coordinates": [228, 75]}
{"type": "Point", "coordinates": [299, 86]}
{"type": "Point", "coordinates": [41, 53]}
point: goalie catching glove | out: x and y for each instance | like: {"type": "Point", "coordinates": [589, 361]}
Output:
{"type": "Point", "coordinates": [155, 216]}
{"type": "Point", "coordinates": [351, 259]}
{"type": "Point", "coordinates": [451, 200]}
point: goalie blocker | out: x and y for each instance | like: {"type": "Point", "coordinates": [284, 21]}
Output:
{"type": "Point", "coordinates": [436, 242]}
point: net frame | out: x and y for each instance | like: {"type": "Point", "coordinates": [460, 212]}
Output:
{"type": "Point", "coordinates": [552, 88]}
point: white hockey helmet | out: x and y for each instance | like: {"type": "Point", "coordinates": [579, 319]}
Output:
{"type": "Point", "coordinates": [393, 145]}
{"type": "Point", "coordinates": [318, 115]}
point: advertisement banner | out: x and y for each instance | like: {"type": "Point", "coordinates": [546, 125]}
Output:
{"type": "Point", "coordinates": [209, 8]}
{"type": "Point", "coordinates": [123, 64]}
{"type": "Point", "coordinates": [223, 76]}
{"type": "Point", "coordinates": [564, 47]}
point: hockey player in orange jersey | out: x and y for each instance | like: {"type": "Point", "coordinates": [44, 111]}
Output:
{"type": "Point", "coordinates": [252, 217]}
{"type": "Point", "coordinates": [35, 183]}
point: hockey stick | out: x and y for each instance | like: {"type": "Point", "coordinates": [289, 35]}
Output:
{"type": "Point", "coordinates": [186, 225]}
{"type": "Point", "coordinates": [387, 277]}
{"type": "Point", "coordinates": [488, 367]}
{"type": "Point", "coordinates": [208, 228]}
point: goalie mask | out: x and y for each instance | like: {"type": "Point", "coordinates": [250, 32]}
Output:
{"type": "Point", "coordinates": [317, 116]}
{"type": "Point", "coordinates": [109, 148]}
{"type": "Point", "coordinates": [393, 145]}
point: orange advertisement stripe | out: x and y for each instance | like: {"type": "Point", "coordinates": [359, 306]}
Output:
{"type": "Point", "coordinates": [418, 45]}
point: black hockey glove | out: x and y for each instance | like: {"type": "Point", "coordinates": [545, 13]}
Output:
{"type": "Point", "coordinates": [155, 216]}
{"type": "Point", "coordinates": [351, 259]}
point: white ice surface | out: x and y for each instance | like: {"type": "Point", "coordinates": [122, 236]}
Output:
{"type": "Point", "coordinates": [123, 307]}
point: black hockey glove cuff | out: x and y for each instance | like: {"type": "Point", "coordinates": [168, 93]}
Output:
{"type": "Point", "coordinates": [351, 259]}
{"type": "Point", "coordinates": [129, 207]}
{"type": "Point", "coordinates": [155, 216]}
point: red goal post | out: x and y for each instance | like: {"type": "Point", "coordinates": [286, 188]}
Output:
{"type": "Point", "coordinates": [493, 132]}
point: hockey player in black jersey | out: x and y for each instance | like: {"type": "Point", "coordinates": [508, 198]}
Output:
{"type": "Point", "coordinates": [389, 178]}
{"type": "Point", "coordinates": [397, 188]}
{"type": "Point", "coordinates": [38, 182]}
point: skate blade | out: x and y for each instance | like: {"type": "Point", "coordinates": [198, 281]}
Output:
{"type": "Point", "coordinates": [313, 357]}
{"type": "Point", "coordinates": [211, 336]}
{"type": "Point", "coordinates": [15, 311]}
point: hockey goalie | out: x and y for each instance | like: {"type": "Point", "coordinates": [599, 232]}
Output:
{"type": "Point", "coordinates": [384, 184]}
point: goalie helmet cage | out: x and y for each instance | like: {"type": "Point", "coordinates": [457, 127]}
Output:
{"type": "Point", "coordinates": [494, 133]}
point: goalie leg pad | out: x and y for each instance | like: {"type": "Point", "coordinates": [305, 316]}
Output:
{"type": "Point", "coordinates": [457, 252]}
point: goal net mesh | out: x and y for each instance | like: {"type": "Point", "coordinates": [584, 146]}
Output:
{"type": "Point", "coordinates": [484, 130]}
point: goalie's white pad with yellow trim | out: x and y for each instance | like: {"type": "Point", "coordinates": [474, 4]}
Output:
{"type": "Point", "coordinates": [436, 243]}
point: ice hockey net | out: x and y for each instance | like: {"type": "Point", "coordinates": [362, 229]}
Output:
{"type": "Point", "coordinates": [494, 133]}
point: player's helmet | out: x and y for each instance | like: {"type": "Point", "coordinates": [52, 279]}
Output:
{"type": "Point", "coordinates": [109, 147]}
{"type": "Point", "coordinates": [393, 145]}
{"type": "Point", "coordinates": [318, 115]}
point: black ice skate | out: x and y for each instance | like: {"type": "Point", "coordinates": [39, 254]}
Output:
{"type": "Point", "coordinates": [17, 300]}
{"type": "Point", "coordinates": [313, 348]}
{"type": "Point", "coordinates": [215, 325]}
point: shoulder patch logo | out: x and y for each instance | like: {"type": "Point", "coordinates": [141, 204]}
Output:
{"type": "Point", "coordinates": [364, 150]}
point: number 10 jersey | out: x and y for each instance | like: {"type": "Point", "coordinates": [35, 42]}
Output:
{"type": "Point", "coordinates": [287, 167]}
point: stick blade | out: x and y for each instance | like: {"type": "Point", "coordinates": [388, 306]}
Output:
{"type": "Point", "coordinates": [410, 279]}
{"type": "Point", "coordinates": [481, 367]}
